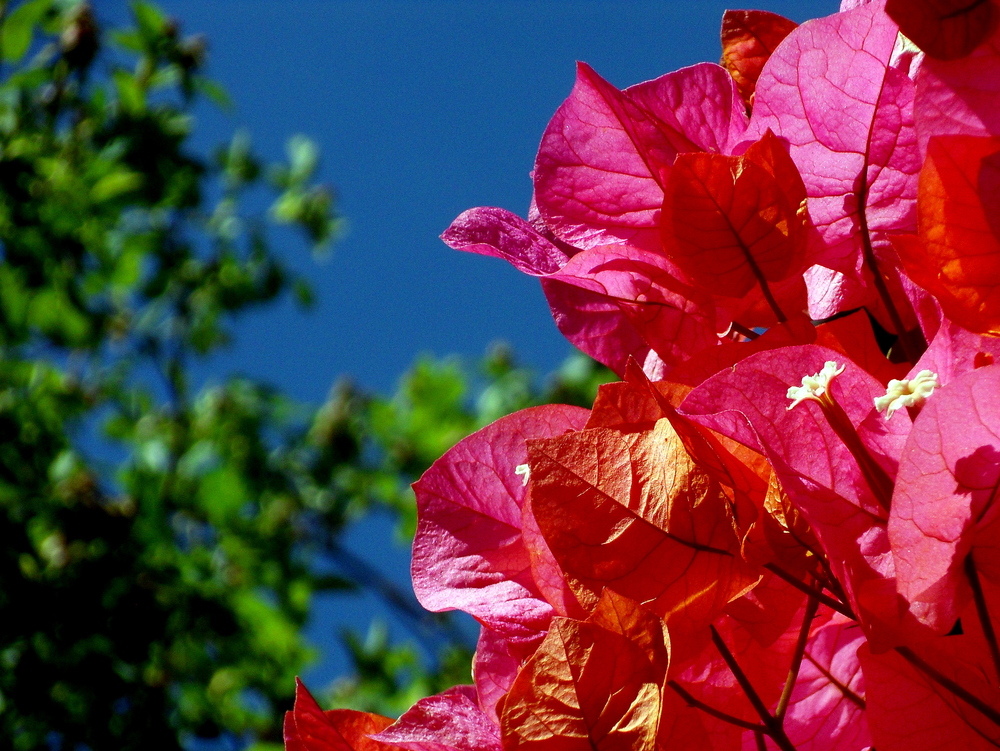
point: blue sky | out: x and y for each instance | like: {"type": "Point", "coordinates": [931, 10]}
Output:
{"type": "Point", "coordinates": [421, 109]}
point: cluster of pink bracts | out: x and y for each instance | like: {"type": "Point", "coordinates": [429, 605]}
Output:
{"type": "Point", "coordinates": [782, 536]}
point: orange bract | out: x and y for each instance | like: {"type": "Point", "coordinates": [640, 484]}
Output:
{"type": "Point", "coordinates": [956, 256]}
{"type": "Point", "coordinates": [308, 728]}
{"type": "Point", "coordinates": [631, 511]}
{"type": "Point", "coordinates": [591, 685]}
{"type": "Point", "coordinates": [945, 29]}
{"type": "Point", "coordinates": [748, 39]}
{"type": "Point", "coordinates": [732, 223]}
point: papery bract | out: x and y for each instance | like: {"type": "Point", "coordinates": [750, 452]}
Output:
{"type": "Point", "coordinates": [603, 158]}
{"type": "Point", "coordinates": [499, 233]}
{"type": "Point", "coordinates": [847, 115]}
{"type": "Point", "coordinates": [587, 687]}
{"type": "Point", "coordinates": [945, 498]}
{"type": "Point", "coordinates": [955, 351]}
{"type": "Point", "coordinates": [748, 39]}
{"type": "Point", "coordinates": [308, 728]}
{"type": "Point", "coordinates": [633, 287]}
{"type": "Point", "coordinates": [468, 552]}
{"type": "Point", "coordinates": [734, 223]}
{"type": "Point", "coordinates": [632, 512]}
{"type": "Point", "coordinates": [959, 97]}
{"type": "Point", "coordinates": [450, 721]}
{"type": "Point", "coordinates": [908, 710]}
{"type": "Point", "coordinates": [957, 256]}
{"type": "Point", "coordinates": [827, 708]}
{"type": "Point", "coordinates": [612, 302]}
{"type": "Point", "coordinates": [821, 474]}
{"type": "Point", "coordinates": [945, 29]}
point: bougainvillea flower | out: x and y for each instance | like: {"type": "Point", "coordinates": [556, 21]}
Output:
{"type": "Point", "coordinates": [591, 684]}
{"type": "Point", "coordinates": [450, 721]}
{"type": "Point", "coordinates": [959, 97]}
{"type": "Point", "coordinates": [957, 254]}
{"type": "Point", "coordinates": [308, 728]}
{"type": "Point", "coordinates": [944, 29]}
{"type": "Point", "coordinates": [838, 478]}
{"type": "Point", "coordinates": [829, 91]}
{"type": "Point", "coordinates": [944, 502]}
{"type": "Point", "coordinates": [612, 302]}
{"type": "Point", "coordinates": [748, 39]}
{"type": "Point", "coordinates": [468, 552]}
{"type": "Point", "coordinates": [603, 158]}
{"type": "Point", "coordinates": [783, 539]}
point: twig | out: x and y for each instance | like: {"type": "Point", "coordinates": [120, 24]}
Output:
{"type": "Point", "coordinates": [800, 649]}
{"type": "Point", "coordinates": [982, 611]}
{"type": "Point", "coordinates": [772, 725]}
{"type": "Point", "coordinates": [716, 713]}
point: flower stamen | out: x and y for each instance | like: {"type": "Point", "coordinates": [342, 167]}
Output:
{"type": "Point", "coordinates": [815, 387]}
{"type": "Point", "coordinates": [911, 392]}
{"type": "Point", "coordinates": [524, 471]}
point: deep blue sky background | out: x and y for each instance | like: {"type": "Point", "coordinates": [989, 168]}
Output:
{"type": "Point", "coordinates": [421, 109]}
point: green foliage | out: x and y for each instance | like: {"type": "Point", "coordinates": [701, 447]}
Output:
{"type": "Point", "coordinates": [160, 539]}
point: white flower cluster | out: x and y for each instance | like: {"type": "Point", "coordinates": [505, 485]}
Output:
{"type": "Point", "coordinates": [911, 392]}
{"type": "Point", "coordinates": [814, 386]}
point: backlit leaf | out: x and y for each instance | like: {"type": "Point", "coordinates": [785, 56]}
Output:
{"type": "Point", "coordinates": [748, 39]}
{"type": "Point", "coordinates": [733, 223]}
{"type": "Point", "coordinates": [308, 728]}
{"type": "Point", "coordinates": [945, 29]}
{"type": "Point", "coordinates": [957, 256]}
{"type": "Point", "coordinates": [585, 688]}
{"type": "Point", "coordinates": [633, 512]}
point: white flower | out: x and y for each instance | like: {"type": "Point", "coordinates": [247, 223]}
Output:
{"type": "Point", "coordinates": [911, 392]}
{"type": "Point", "coordinates": [524, 471]}
{"type": "Point", "coordinates": [815, 386]}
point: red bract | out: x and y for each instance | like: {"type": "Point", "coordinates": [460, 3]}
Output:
{"type": "Point", "coordinates": [830, 91]}
{"type": "Point", "coordinates": [748, 39]}
{"type": "Point", "coordinates": [945, 29]}
{"type": "Point", "coordinates": [468, 552]}
{"type": "Point", "coordinates": [774, 532]}
{"type": "Point", "coordinates": [942, 528]}
{"type": "Point", "coordinates": [957, 254]}
{"type": "Point", "coordinates": [591, 684]}
{"type": "Point", "coordinates": [735, 224]}
{"type": "Point", "coordinates": [603, 159]}
{"type": "Point", "coordinates": [308, 728]}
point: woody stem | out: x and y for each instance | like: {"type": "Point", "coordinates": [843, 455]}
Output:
{"type": "Point", "coordinates": [772, 725]}
{"type": "Point", "coordinates": [800, 649]}
{"type": "Point", "coordinates": [716, 713]}
{"type": "Point", "coordinates": [944, 681]}
{"type": "Point", "coordinates": [982, 611]}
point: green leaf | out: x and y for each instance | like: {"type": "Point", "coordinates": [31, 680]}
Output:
{"type": "Point", "coordinates": [152, 21]}
{"type": "Point", "coordinates": [19, 28]}
{"type": "Point", "coordinates": [214, 91]}
{"type": "Point", "coordinates": [115, 184]}
{"type": "Point", "coordinates": [131, 96]}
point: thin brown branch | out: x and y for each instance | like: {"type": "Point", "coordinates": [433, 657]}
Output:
{"type": "Point", "coordinates": [747, 332]}
{"type": "Point", "coordinates": [945, 682]}
{"type": "Point", "coordinates": [716, 713]}
{"type": "Point", "coordinates": [825, 599]}
{"type": "Point", "coordinates": [800, 649]}
{"type": "Point", "coordinates": [983, 611]}
{"type": "Point", "coordinates": [772, 725]}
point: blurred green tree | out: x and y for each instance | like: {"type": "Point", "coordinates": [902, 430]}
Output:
{"type": "Point", "coordinates": [160, 539]}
